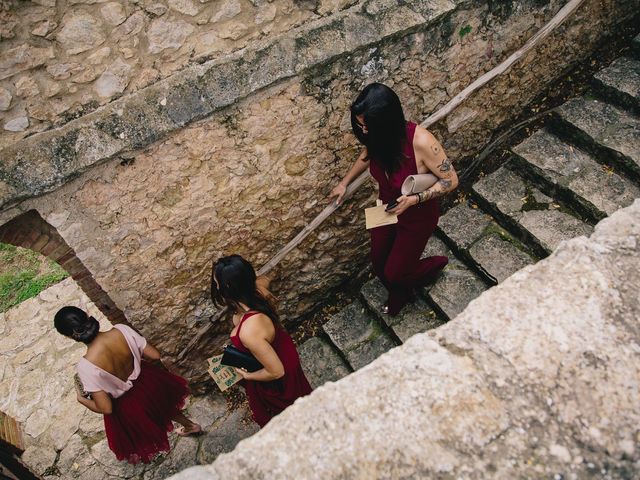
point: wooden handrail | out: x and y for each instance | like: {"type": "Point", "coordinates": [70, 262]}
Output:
{"type": "Point", "coordinates": [558, 19]}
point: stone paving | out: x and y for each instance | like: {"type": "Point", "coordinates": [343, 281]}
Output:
{"type": "Point", "coordinates": [63, 439]}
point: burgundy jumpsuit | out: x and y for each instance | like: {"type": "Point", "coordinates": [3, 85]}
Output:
{"type": "Point", "coordinates": [267, 399]}
{"type": "Point", "coordinates": [396, 249]}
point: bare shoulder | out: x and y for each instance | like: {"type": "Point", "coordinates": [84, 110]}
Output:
{"type": "Point", "coordinates": [256, 325]}
{"type": "Point", "coordinates": [425, 143]}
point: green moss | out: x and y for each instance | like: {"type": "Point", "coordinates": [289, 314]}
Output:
{"type": "Point", "coordinates": [465, 31]}
{"type": "Point", "coordinates": [494, 229]}
{"type": "Point", "coordinates": [24, 275]}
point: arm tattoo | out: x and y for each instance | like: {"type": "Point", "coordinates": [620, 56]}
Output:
{"type": "Point", "coordinates": [445, 166]}
{"type": "Point", "coordinates": [444, 186]}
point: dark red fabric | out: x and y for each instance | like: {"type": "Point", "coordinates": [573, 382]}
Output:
{"type": "Point", "coordinates": [268, 399]}
{"type": "Point", "coordinates": [396, 249]}
{"type": "Point", "coordinates": [140, 419]}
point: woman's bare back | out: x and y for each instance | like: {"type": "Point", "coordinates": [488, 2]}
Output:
{"type": "Point", "coordinates": [110, 351]}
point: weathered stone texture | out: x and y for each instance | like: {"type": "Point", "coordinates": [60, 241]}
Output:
{"type": "Point", "coordinates": [162, 201]}
{"type": "Point", "coordinates": [620, 81]}
{"type": "Point", "coordinates": [151, 35]}
{"type": "Point", "coordinates": [576, 174]}
{"type": "Point", "coordinates": [610, 132]}
{"type": "Point", "coordinates": [538, 380]}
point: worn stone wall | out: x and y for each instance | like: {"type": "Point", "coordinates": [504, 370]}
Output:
{"type": "Point", "coordinates": [61, 59]}
{"type": "Point", "coordinates": [147, 222]}
{"type": "Point", "coordinates": [537, 378]}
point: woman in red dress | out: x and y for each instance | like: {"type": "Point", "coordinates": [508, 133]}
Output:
{"type": "Point", "coordinates": [395, 149]}
{"type": "Point", "coordinates": [257, 330]}
{"type": "Point", "coordinates": [138, 400]}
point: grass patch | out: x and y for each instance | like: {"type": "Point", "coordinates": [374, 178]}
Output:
{"type": "Point", "coordinates": [24, 274]}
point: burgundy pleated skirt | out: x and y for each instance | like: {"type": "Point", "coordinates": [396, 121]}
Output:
{"type": "Point", "coordinates": [140, 419]}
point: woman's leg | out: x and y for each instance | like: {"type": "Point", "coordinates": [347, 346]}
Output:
{"type": "Point", "coordinates": [404, 270]}
{"type": "Point", "coordinates": [381, 243]}
{"type": "Point", "coordinates": [188, 426]}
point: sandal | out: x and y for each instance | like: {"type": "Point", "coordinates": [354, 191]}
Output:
{"type": "Point", "coordinates": [196, 430]}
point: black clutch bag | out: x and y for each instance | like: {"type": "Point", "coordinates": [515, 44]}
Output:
{"type": "Point", "coordinates": [233, 357]}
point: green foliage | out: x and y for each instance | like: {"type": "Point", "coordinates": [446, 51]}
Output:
{"type": "Point", "coordinates": [24, 274]}
{"type": "Point", "coordinates": [465, 31]}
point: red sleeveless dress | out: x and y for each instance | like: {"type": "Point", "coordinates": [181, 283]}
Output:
{"type": "Point", "coordinates": [268, 399]}
{"type": "Point", "coordinates": [396, 249]}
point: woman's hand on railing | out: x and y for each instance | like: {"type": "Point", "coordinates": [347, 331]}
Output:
{"type": "Point", "coordinates": [338, 191]}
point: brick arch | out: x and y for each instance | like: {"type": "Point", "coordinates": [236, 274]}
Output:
{"type": "Point", "coordinates": [31, 231]}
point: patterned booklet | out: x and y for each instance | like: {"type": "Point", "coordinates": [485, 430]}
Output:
{"type": "Point", "coordinates": [223, 375]}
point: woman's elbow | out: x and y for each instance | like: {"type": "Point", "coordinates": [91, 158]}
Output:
{"type": "Point", "coordinates": [278, 374]}
{"type": "Point", "coordinates": [454, 182]}
{"type": "Point", "coordinates": [107, 410]}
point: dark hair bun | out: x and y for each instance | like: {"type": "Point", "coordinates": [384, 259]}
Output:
{"type": "Point", "coordinates": [75, 323]}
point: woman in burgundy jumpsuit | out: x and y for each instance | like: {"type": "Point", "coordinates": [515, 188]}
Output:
{"type": "Point", "coordinates": [394, 150]}
{"type": "Point", "coordinates": [257, 330]}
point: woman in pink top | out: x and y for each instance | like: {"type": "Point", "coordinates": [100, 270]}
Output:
{"type": "Point", "coordinates": [138, 400]}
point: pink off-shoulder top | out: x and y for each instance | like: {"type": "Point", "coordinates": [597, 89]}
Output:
{"type": "Point", "coordinates": [94, 378]}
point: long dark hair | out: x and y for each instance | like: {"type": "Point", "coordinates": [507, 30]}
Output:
{"type": "Point", "coordinates": [75, 323]}
{"type": "Point", "coordinates": [385, 122]}
{"type": "Point", "coordinates": [236, 284]}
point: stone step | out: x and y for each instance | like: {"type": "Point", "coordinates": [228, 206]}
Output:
{"type": "Point", "coordinates": [620, 83]}
{"type": "Point", "coordinates": [526, 211]}
{"type": "Point", "coordinates": [635, 46]}
{"type": "Point", "coordinates": [567, 172]}
{"type": "Point", "coordinates": [456, 286]}
{"type": "Point", "coordinates": [358, 335]}
{"type": "Point", "coordinates": [610, 133]}
{"type": "Point", "coordinates": [480, 241]}
{"type": "Point", "coordinates": [416, 317]}
{"type": "Point", "coordinates": [321, 362]}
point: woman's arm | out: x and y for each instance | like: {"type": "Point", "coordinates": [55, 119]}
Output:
{"type": "Point", "coordinates": [100, 402]}
{"type": "Point", "coordinates": [254, 336]}
{"type": "Point", "coordinates": [360, 165]}
{"type": "Point", "coordinates": [431, 154]}
{"type": "Point", "coordinates": [151, 353]}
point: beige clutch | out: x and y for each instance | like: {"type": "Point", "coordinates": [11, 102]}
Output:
{"type": "Point", "coordinates": [418, 183]}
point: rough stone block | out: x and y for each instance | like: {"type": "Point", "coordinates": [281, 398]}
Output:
{"type": "Point", "coordinates": [223, 436]}
{"type": "Point", "coordinates": [575, 175]}
{"type": "Point", "coordinates": [320, 44]}
{"type": "Point", "coordinates": [321, 363]}
{"type": "Point", "coordinates": [482, 243]}
{"type": "Point", "coordinates": [187, 100]}
{"type": "Point", "coordinates": [635, 46]}
{"type": "Point", "coordinates": [602, 129]}
{"type": "Point", "coordinates": [620, 82]}
{"type": "Point", "coordinates": [436, 247]}
{"type": "Point", "coordinates": [358, 335]}
{"type": "Point", "coordinates": [524, 207]}
{"type": "Point", "coordinates": [464, 225]}
{"type": "Point", "coordinates": [455, 288]}
{"type": "Point", "coordinates": [499, 255]}
{"type": "Point", "coordinates": [414, 318]}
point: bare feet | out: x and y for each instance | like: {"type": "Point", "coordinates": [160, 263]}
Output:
{"type": "Point", "coordinates": [195, 429]}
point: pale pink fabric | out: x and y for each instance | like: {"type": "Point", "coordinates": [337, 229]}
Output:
{"type": "Point", "coordinates": [94, 378]}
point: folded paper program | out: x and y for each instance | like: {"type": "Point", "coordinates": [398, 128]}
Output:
{"type": "Point", "coordinates": [378, 217]}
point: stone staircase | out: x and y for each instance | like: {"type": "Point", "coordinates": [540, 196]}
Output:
{"type": "Point", "coordinates": [581, 167]}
